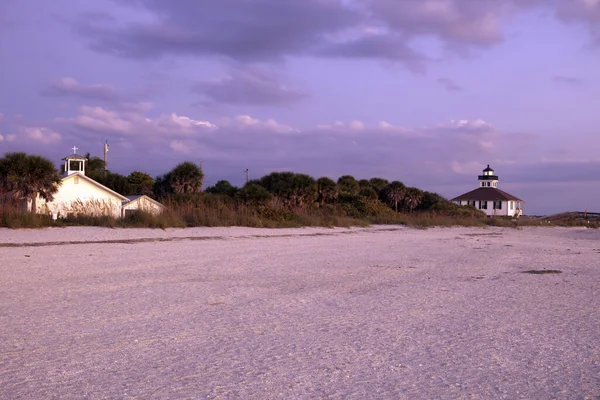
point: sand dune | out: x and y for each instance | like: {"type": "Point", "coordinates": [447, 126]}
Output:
{"type": "Point", "coordinates": [223, 313]}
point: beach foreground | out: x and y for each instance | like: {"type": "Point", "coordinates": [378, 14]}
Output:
{"type": "Point", "coordinates": [380, 312]}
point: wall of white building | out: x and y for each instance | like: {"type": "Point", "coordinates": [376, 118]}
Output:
{"type": "Point", "coordinates": [507, 208]}
{"type": "Point", "coordinates": [143, 203]}
{"type": "Point", "coordinates": [78, 195]}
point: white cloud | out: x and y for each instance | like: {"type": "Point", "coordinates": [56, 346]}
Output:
{"type": "Point", "coordinates": [133, 121]}
{"type": "Point", "coordinates": [101, 120]}
{"type": "Point", "coordinates": [71, 87]}
{"type": "Point", "coordinates": [356, 125]}
{"type": "Point", "coordinates": [180, 147]}
{"type": "Point", "coordinates": [41, 134]}
{"type": "Point", "coordinates": [246, 122]}
{"type": "Point", "coordinates": [186, 123]}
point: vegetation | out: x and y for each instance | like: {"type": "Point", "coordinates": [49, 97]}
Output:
{"type": "Point", "coordinates": [279, 199]}
{"type": "Point", "coordinates": [25, 177]}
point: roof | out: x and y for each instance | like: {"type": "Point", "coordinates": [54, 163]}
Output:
{"type": "Point", "coordinates": [489, 194]}
{"type": "Point", "coordinates": [101, 186]}
{"type": "Point", "coordinates": [488, 169]}
{"type": "Point", "coordinates": [74, 156]}
{"type": "Point", "coordinates": [137, 197]}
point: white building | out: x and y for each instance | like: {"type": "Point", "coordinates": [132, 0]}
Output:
{"type": "Point", "coordinates": [491, 200]}
{"type": "Point", "coordinates": [81, 195]}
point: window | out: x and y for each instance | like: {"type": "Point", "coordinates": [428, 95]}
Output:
{"type": "Point", "coordinates": [488, 184]}
{"type": "Point", "coordinates": [511, 204]}
{"type": "Point", "coordinates": [497, 205]}
{"type": "Point", "coordinates": [483, 205]}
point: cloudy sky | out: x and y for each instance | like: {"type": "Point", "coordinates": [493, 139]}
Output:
{"type": "Point", "coordinates": [427, 92]}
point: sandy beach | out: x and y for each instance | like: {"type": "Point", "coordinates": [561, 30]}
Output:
{"type": "Point", "coordinates": [315, 313]}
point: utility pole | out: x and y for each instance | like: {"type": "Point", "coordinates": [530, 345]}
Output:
{"type": "Point", "coordinates": [246, 170]}
{"type": "Point", "coordinates": [105, 151]}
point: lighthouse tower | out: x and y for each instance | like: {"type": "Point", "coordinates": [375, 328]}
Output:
{"type": "Point", "coordinates": [488, 179]}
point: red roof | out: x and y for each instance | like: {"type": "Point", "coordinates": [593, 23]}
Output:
{"type": "Point", "coordinates": [489, 194]}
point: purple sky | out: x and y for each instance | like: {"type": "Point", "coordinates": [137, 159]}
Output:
{"type": "Point", "coordinates": [427, 92]}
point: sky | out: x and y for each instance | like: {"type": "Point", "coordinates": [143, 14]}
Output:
{"type": "Point", "coordinates": [427, 92]}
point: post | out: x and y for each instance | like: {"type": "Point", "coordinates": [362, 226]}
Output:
{"type": "Point", "coordinates": [105, 151]}
{"type": "Point", "coordinates": [246, 170]}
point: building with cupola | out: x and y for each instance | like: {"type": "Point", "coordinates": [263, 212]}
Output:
{"type": "Point", "coordinates": [489, 199]}
{"type": "Point", "coordinates": [79, 194]}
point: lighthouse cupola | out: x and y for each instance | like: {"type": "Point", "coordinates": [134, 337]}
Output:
{"type": "Point", "coordinates": [489, 179]}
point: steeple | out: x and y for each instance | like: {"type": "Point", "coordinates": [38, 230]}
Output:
{"type": "Point", "coordinates": [74, 163]}
{"type": "Point", "coordinates": [488, 179]}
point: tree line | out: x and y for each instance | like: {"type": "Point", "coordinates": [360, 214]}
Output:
{"type": "Point", "coordinates": [23, 176]}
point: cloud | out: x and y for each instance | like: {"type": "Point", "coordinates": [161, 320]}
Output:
{"type": "Point", "coordinates": [450, 85]}
{"type": "Point", "coordinates": [582, 12]}
{"type": "Point", "coordinates": [246, 122]}
{"type": "Point", "coordinates": [249, 86]}
{"type": "Point", "coordinates": [70, 87]}
{"type": "Point", "coordinates": [567, 80]}
{"type": "Point", "coordinates": [132, 121]}
{"type": "Point", "coordinates": [263, 31]}
{"type": "Point", "coordinates": [376, 46]}
{"type": "Point", "coordinates": [240, 30]}
{"type": "Point", "coordinates": [40, 134]}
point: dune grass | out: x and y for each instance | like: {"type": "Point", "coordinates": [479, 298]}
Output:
{"type": "Point", "coordinates": [213, 211]}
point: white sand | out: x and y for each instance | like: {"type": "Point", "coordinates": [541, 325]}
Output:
{"type": "Point", "coordinates": [299, 313]}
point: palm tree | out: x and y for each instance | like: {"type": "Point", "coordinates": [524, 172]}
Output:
{"type": "Point", "coordinates": [347, 184]}
{"type": "Point", "coordinates": [25, 177]}
{"type": "Point", "coordinates": [327, 189]}
{"type": "Point", "coordinates": [414, 196]}
{"type": "Point", "coordinates": [394, 193]}
{"type": "Point", "coordinates": [185, 178]}
{"type": "Point", "coordinates": [140, 183]}
{"type": "Point", "coordinates": [379, 184]}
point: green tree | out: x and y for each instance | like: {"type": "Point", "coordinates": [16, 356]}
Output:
{"type": "Point", "coordinates": [432, 201]}
{"type": "Point", "coordinates": [24, 177]}
{"type": "Point", "coordinates": [368, 193]}
{"type": "Point", "coordinates": [413, 198]}
{"type": "Point", "coordinates": [327, 190]}
{"type": "Point", "coordinates": [364, 183]}
{"type": "Point", "coordinates": [185, 178]}
{"type": "Point", "coordinates": [117, 182]}
{"type": "Point", "coordinates": [348, 185]}
{"type": "Point", "coordinates": [292, 190]}
{"type": "Point", "coordinates": [378, 184]}
{"type": "Point", "coordinates": [223, 188]}
{"type": "Point", "coordinates": [140, 183]}
{"type": "Point", "coordinates": [394, 194]}
{"type": "Point", "coordinates": [255, 194]}
{"type": "Point", "coordinates": [94, 167]}
{"type": "Point", "coordinates": [304, 190]}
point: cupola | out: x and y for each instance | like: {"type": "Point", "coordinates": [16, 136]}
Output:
{"type": "Point", "coordinates": [488, 179]}
{"type": "Point", "coordinates": [74, 163]}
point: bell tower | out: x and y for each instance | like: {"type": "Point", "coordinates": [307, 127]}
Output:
{"type": "Point", "coordinates": [74, 163]}
{"type": "Point", "coordinates": [488, 179]}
